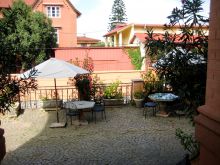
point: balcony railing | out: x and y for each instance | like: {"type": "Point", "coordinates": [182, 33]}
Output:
{"type": "Point", "coordinates": [30, 99]}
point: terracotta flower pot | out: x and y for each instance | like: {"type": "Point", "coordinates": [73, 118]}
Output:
{"type": "Point", "coordinates": [138, 102]}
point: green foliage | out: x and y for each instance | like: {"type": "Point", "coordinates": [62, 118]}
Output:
{"type": "Point", "coordinates": [188, 142]}
{"type": "Point", "coordinates": [83, 84]}
{"type": "Point", "coordinates": [183, 57]}
{"type": "Point", "coordinates": [99, 44]}
{"type": "Point", "coordinates": [26, 36]}
{"type": "Point", "coordinates": [138, 95]}
{"type": "Point", "coordinates": [25, 40]}
{"type": "Point", "coordinates": [136, 59]}
{"type": "Point", "coordinates": [152, 83]}
{"type": "Point", "coordinates": [113, 91]}
{"type": "Point", "coordinates": [118, 14]}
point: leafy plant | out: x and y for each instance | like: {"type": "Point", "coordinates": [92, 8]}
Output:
{"type": "Point", "coordinates": [44, 98]}
{"type": "Point", "coordinates": [188, 142]}
{"type": "Point", "coordinates": [138, 95]}
{"type": "Point", "coordinates": [113, 91]}
{"type": "Point", "coordinates": [182, 57]}
{"type": "Point", "coordinates": [28, 37]}
{"type": "Point", "coordinates": [136, 59]}
{"type": "Point", "coordinates": [84, 83]}
{"type": "Point", "coordinates": [152, 83]}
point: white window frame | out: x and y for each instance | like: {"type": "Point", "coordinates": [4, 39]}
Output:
{"type": "Point", "coordinates": [53, 11]}
{"type": "Point", "coordinates": [56, 32]}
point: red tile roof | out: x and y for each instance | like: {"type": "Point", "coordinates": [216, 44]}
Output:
{"type": "Point", "coordinates": [156, 36]}
{"type": "Point", "coordinates": [140, 36]}
{"type": "Point", "coordinates": [118, 29]}
{"type": "Point", "coordinates": [115, 30]}
{"type": "Point", "coordinates": [77, 11]}
{"type": "Point", "coordinates": [83, 39]}
{"type": "Point", "coordinates": [8, 3]}
{"type": "Point", "coordinates": [124, 26]}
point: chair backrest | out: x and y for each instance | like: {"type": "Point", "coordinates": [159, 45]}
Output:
{"type": "Point", "coordinates": [100, 101]}
{"type": "Point", "coordinates": [71, 109]}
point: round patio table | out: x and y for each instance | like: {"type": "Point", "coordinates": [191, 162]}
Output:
{"type": "Point", "coordinates": [162, 99]}
{"type": "Point", "coordinates": [80, 106]}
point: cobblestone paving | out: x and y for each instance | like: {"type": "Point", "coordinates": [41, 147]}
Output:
{"type": "Point", "coordinates": [124, 138]}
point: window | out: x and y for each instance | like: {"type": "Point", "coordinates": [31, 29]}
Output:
{"type": "Point", "coordinates": [56, 32]}
{"type": "Point", "coordinates": [53, 11]}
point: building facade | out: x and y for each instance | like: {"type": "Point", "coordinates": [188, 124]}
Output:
{"type": "Point", "coordinates": [63, 15]}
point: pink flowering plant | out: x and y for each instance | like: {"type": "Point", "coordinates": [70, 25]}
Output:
{"type": "Point", "coordinates": [85, 83]}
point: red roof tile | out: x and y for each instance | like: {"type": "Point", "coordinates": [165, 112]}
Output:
{"type": "Point", "coordinates": [115, 30]}
{"type": "Point", "coordinates": [83, 39]}
{"type": "Point", "coordinates": [124, 26]}
{"type": "Point", "coordinates": [8, 3]}
{"type": "Point", "coordinates": [156, 36]}
{"type": "Point", "coordinates": [142, 37]}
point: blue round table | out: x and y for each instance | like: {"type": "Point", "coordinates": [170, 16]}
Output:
{"type": "Point", "coordinates": [162, 99]}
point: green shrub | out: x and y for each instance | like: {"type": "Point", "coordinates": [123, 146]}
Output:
{"type": "Point", "coordinates": [113, 91]}
{"type": "Point", "coordinates": [138, 95]}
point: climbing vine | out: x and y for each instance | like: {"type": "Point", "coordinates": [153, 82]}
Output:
{"type": "Point", "coordinates": [135, 56]}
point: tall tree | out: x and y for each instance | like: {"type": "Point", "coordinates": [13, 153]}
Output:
{"type": "Point", "coordinates": [26, 38]}
{"type": "Point", "coordinates": [26, 35]}
{"type": "Point", "coordinates": [182, 57]}
{"type": "Point", "coordinates": [118, 14]}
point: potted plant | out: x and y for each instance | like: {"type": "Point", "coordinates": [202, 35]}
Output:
{"type": "Point", "coordinates": [138, 98]}
{"type": "Point", "coordinates": [46, 103]}
{"type": "Point", "coordinates": [113, 94]}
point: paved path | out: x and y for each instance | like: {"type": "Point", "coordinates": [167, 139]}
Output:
{"type": "Point", "coordinates": [126, 138]}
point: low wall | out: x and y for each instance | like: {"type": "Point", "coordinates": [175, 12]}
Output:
{"type": "Point", "coordinates": [105, 77]}
{"type": "Point", "coordinates": [124, 76]}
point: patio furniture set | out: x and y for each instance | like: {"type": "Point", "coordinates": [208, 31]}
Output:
{"type": "Point", "coordinates": [77, 108]}
{"type": "Point", "coordinates": [159, 101]}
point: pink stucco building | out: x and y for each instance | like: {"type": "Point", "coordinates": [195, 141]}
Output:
{"type": "Point", "coordinates": [63, 15]}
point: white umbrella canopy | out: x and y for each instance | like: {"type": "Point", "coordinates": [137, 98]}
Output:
{"type": "Point", "coordinates": [54, 68]}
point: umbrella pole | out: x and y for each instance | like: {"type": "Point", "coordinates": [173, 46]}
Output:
{"type": "Point", "coordinates": [57, 124]}
{"type": "Point", "coordinates": [56, 100]}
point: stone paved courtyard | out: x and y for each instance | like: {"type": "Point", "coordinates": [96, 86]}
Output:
{"type": "Point", "coordinates": [125, 138]}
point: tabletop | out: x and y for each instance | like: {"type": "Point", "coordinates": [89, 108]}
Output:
{"type": "Point", "coordinates": [163, 97]}
{"type": "Point", "coordinates": [79, 104]}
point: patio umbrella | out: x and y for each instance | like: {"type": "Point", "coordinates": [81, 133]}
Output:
{"type": "Point", "coordinates": [54, 68]}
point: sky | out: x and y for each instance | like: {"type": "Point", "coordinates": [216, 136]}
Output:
{"type": "Point", "coordinates": [95, 14]}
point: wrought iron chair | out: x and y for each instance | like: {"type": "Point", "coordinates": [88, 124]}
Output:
{"type": "Point", "coordinates": [98, 107]}
{"type": "Point", "coordinates": [147, 107]}
{"type": "Point", "coordinates": [71, 110]}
